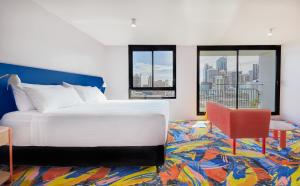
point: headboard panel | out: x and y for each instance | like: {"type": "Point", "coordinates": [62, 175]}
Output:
{"type": "Point", "coordinates": [39, 76]}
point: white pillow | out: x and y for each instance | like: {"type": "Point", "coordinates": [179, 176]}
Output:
{"type": "Point", "coordinates": [47, 99]}
{"type": "Point", "coordinates": [22, 100]}
{"type": "Point", "coordinates": [87, 93]}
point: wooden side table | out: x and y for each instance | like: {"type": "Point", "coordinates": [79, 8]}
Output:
{"type": "Point", "coordinates": [281, 127]}
{"type": "Point", "coordinates": [6, 139]}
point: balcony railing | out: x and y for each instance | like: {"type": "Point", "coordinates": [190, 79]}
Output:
{"type": "Point", "coordinates": [249, 95]}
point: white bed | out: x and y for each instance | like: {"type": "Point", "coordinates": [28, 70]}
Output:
{"type": "Point", "coordinates": [108, 123]}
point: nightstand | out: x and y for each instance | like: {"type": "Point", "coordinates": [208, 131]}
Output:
{"type": "Point", "coordinates": [6, 139]}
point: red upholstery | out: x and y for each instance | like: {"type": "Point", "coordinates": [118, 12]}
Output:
{"type": "Point", "coordinates": [241, 123]}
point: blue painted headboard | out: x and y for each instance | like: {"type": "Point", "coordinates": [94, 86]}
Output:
{"type": "Point", "coordinates": [39, 76]}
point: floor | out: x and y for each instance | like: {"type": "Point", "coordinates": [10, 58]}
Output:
{"type": "Point", "coordinates": [194, 157]}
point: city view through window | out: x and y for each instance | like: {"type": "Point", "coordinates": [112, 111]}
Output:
{"type": "Point", "coordinates": [250, 88]}
{"type": "Point", "coordinates": [152, 74]}
{"type": "Point", "coordinates": [162, 67]}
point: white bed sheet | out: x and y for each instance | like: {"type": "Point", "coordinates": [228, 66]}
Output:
{"type": "Point", "coordinates": [109, 123]}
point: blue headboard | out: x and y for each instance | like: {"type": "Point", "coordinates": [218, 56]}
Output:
{"type": "Point", "coordinates": [39, 76]}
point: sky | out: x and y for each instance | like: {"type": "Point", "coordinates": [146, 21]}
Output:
{"type": "Point", "coordinates": [163, 65]}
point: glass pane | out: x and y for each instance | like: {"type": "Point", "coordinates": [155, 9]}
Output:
{"type": "Point", "coordinates": [163, 68]}
{"type": "Point", "coordinates": [142, 68]}
{"type": "Point", "coordinates": [152, 93]}
{"type": "Point", "coordinates": [257, 77]}
{"type": "Point", "coordinates": [217, 78]}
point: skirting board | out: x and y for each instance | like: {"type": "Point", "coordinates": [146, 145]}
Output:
{"type": "Point", "coordinates": [85, 156]}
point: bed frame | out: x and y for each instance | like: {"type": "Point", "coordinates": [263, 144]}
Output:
{"type": "Point", "coordinates": [36, 155]}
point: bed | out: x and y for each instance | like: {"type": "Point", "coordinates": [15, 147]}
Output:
{"type": "Point", "coordinates": [111, 123]}
{"type": "Point", "coordinates": [112, 132]}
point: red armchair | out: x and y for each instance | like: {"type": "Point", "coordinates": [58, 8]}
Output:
{"type": "Point", "coordinates": [240, 123]}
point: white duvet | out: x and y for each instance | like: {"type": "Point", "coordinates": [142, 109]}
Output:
{"type": "Point", "coordinates": [108, 123]}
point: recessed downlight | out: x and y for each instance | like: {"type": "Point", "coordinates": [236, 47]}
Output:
{"type": "Point", "coordinates": [270, 33]}
{"type": "Point", "coordinates": [133, 22]}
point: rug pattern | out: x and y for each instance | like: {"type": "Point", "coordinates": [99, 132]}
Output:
{"type": "Point", "coordinates": [194, 157]}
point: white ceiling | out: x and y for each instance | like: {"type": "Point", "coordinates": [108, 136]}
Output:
{"type": "Point", "coordinates": [181, 22]}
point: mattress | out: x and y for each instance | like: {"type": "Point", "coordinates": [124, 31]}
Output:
{"type": "Point", "coordinates": [108, 123]}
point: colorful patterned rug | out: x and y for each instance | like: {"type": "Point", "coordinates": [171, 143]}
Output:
{"type": "Point", "coordinates": [194, 157]}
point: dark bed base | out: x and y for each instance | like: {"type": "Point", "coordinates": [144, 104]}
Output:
{"type": "Point", "coordinates": [85, 156]}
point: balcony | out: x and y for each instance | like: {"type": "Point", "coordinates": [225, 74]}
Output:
{"type": "Point", "coordinates": [249, 95]}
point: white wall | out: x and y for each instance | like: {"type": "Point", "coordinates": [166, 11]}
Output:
{"type": "Point", "coordinates": [31, 36]}
{"type": "Point", "coordinates": [183, 107]}
{"type": "Point", "coordinates": [290, 82]}
{"type": "Point", "coordinates": [116, 73]}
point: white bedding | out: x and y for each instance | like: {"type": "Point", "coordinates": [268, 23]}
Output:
{"type": "Point", "coordinates": [108, 123]}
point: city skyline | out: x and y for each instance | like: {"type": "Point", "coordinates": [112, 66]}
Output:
{"type": "Point", "coordinates": [216, 71]}
{"type": "Point", "coordinates": [218, 83]}
{"type": "Point", "coordinates": [163, 68]}
{"type": "Point", "coordinates": [137, 82]}
{"type": "Point", "coordinates": [245, 62]}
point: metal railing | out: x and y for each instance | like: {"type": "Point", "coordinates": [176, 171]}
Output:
{"type": "Point", "coordinates": [248, 97]}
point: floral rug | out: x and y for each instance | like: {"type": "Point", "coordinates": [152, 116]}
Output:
{"type": "Point", "coordinates": [194, 157]}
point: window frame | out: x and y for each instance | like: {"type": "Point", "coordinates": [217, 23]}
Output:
{"type": "Point", "coordinates": [151, 48]}
{"type": "Point", "coordinates": [237, 48]}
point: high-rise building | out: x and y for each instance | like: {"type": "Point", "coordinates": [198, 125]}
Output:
{"type": "Point", "coordinates": [219, 82]}
{"type": "Point", "coordinates": [205, 72]}
{"type": "Point", "coordinates": [206, 86]}
{"type": "Point", "coordinates": [255, 71]}
{"type": "Point", "coordinates": [150, 81]}
{"type": "Point", "coordinates": [222, 64]}
{"type": "Point", "coordinates": [251, 75]}
{"type": "Point", "coordinates": [227, 79]}
{"type": "Point", "coordinates": [167, 83]}
{"type": "Point", "coordinates": [244, 78]}
{"type": "Point", "coordinates": [211, 73]}
{"type": "Point", "coordinates": [161, 83]}
{"type": "Point", "coordinates": [232, 78]}
{"type": "Point", "coordinates": [137, 80]}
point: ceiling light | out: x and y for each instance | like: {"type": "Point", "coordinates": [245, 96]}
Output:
{"type": "Point", "coordinates": [133, 22]}
{"type": "Point", "coordinates": [270, 33]}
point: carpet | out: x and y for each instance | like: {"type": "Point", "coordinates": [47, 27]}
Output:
{"type": "Point", "coordinates": [194, 157]}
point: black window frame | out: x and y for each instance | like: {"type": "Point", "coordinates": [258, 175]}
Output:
{"type": "Point", "coordinates": [152, 48]}
{"type": "Point", "coordinates": [237, 48]}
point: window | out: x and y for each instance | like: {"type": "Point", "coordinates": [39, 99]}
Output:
{"type": "Point", "coordinates": [152, 71]}
{"type": "Point", "coordinates": [239, 76]}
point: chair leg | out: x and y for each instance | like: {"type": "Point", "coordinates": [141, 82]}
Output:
{"type": "Point", "coordinates": [264, 145]}
{"type": "Point", "coordinates": [282, 139]}
{"type": "Point", "coordinates": [210, 127]}
{"type": "Point", "coordinates": [275, 134]}
{"type": "Point", "coordinates": [234, 146]}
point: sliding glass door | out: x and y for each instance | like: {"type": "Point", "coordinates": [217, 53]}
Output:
{"type": "Point", "coordinates": [257, 79]}
{"type": "Point", "coordinates": [217, 77]}
{"type": "Point", "coordinates": [239, 76]}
